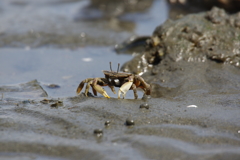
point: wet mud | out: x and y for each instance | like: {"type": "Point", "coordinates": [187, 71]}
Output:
{"type": "Point", "coordinates": [101, 128]}
{"type": "Point", "coordinates": [192, 65]}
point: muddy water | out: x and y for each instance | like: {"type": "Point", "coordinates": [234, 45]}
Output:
{"type": "Point", "coordinates": [48, 47]}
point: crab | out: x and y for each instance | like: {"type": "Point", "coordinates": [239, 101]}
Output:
{"type": "Point", "coordinates": [125, 81]}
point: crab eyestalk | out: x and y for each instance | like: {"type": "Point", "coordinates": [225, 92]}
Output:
{"type": "Point", "coordinates": [110, 66]}
{"type": "Point", "coordinates": [118, 67]}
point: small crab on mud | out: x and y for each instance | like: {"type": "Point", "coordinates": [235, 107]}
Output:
{"type": "Point", "coordinates": [126, 81]}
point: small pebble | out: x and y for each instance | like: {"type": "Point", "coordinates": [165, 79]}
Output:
{"type": "Point", "coordinates": [98, 132]}
{"type": "Point", "coordinates": [129, 122]}
{"type": "Point", "coordinates": [107, 123]}
{"type": "Point", "coordinates": [60, 103]}
{"type": "Point", "coordinates": [55, 105]}
{"type": "Point", "coordinates": [144, 105]}
{"type": "Point", "coordinates": [44, 101]}
{"type": "Point", "coordinates": [53, 86]}
{"type": "Point", "coordinates": [25, 101]}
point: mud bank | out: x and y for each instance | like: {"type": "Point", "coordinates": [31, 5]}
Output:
{"type": "Point", "coordinates": [193, 113]}
{"type": "Point", "coordinates": [168, 129]}
{"type": "Point", "coordinates": [192, 53]}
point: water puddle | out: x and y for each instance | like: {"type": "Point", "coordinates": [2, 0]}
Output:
{"type": "Point", "coordinates": [63, 67]}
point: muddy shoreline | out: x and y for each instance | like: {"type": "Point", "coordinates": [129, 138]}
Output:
{"type": "Point", "coordinates": [193, 111]}
{"type": "Point", "coordinates": [169, 128]}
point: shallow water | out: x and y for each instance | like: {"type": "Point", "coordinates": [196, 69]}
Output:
{"type": "Point", "coordinates": [56, 42]}
{"type": "Point", "coordinates": [63, 67]}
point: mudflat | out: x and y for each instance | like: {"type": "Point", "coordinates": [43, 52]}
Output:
{"type": "Point", "coordinates": [193, 111]}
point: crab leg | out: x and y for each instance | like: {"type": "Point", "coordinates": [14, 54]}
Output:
{"type": "Point", "coordinates": [81, 85]}
{"type": "Point", "coordinates": [112, 88]}
{"type": "Point", "coordinates": [87, 89]}
{"type": "Point", "coordinates": [134, 88]}
{"type": "Point", "coordinates": [125, 87]}
{"type": "Point", "coordinates": [146, 87]}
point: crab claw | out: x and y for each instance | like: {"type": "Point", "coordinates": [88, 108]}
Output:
{"type": "Point", "coordinates": [100, 90]}
{"type": "Point", "coordinates": [124, 88]}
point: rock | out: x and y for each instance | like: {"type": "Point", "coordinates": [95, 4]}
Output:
{"type": "Point", "coordinates": [30, 89]}
{"type": "Point", "coordinates": [107, 123]}
{"type": "Point", "coordinates": [144, 105]}
{"type": "Point", "coordinates": [98, 132]}
{"type": "Point", "coordinates": [192, 53]}
{"type": "Point", "coordinates": [129, 122]}
{"type": "Point", "coordinates": [212, 35]}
